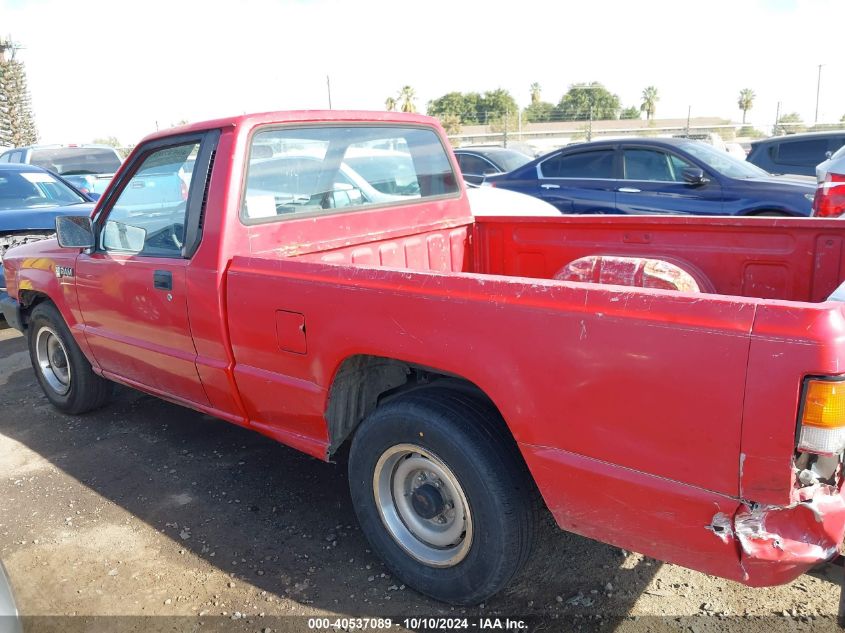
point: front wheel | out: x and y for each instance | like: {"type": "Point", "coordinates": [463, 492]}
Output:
{"type": "Point", "coordinates": [442, 495]}
{"type": "Point", "coordinates": [61, 368]}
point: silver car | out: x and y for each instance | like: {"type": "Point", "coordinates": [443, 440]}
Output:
{"type": "Point", "coordinates": [830, 194]}
{"type": "Point", "coordinates": [9, 619]}
{"type": "Point", "coordinates": [835, 161]}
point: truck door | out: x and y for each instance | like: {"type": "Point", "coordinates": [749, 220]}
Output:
{"type": "Point", "coordinates": [132, 287]}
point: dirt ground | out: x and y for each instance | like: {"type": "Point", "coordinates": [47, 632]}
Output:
{"type": "Point", "coordinates": [148, 509]}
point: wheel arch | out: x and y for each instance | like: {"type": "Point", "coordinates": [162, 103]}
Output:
{"type": "Point", "coordinates": [771, 210]}
{"type": "Point", "coordinates": [28, 300]}
{"type": "Point", "coordinates": [363, 382]}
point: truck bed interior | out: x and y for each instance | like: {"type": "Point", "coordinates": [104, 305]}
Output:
{"type": "Point", "coordinates": [787, 259]}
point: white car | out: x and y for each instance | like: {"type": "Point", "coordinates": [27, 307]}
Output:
{"type": "Point", "coordinates": [485, 200]}
{"type": "Point", "coordinates": [836, 160]}
{"type": "Point", "coordinates": [830, 195]}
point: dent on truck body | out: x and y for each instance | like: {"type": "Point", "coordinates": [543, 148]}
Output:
{"type": "Point", "coordinates": [804, 532]}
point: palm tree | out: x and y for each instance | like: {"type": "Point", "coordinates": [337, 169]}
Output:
{"type": "Point", "coordinates": [746, 101]}
{"type": "Point", "coordinates": [390, 104]}
{"type": "Point", "coordinates": [535, 93]}
{"type": "Point", "coordinates": [407, 96]}
{"type": "Point", "coordinates": [650, 100]}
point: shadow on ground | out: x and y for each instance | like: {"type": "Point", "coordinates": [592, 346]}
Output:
{"type": "Point", "coordinates": [276, 518]}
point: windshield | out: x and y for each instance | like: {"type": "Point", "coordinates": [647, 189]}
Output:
{"type": "Point", "coordinates": [722, 162]}
{"type": "Point", "coordinates": [77, 160]}
{"type": "Point", "coordinates": [34, 190]}
{"type": "Point", "coordinates": [510, 160]}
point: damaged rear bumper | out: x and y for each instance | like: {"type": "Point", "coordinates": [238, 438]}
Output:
{"type": "Point", "coordinates": [777, 544]}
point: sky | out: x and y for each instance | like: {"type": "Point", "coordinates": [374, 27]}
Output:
{"type": "Point", "coordinates": [101, 68]}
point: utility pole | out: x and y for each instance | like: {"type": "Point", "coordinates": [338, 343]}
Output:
{"type": "Point", "coordinates": [777, 120]}
{"type": "Point", "coordinates": [818, 89]}
{"type": "Point", "coordinates": [689, 113]}
{"type": "Point", "coordinates": [505, 133]}
{"type": "Point", "coordinates": [329, 88]}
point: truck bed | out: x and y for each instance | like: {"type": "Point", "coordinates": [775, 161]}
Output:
{"type": "Point", "coordinates": [576, 369]}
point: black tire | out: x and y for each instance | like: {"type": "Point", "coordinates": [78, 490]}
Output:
{"type": "Point", "coordinates": [82, 390]}
{"type": "Point", "coordinates": [468, 437]}
{"type": "Point", "coordinates": [771, 214]}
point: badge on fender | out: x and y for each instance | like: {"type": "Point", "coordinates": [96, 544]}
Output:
{"type": "Point", "coordinates": [64, 271]}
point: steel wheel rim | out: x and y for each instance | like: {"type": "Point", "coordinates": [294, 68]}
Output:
{"type": "Point", "coordinates": [53, 360]}
{"type": "Point", "coordinates": [422, 505]}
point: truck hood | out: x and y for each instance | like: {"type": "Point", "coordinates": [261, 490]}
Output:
{"type": "Point", "coordinates": [39, 218]}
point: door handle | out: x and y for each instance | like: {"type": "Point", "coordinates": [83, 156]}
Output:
{"type": "Point", "coordinates": [550, 186]}
{"type": "Point", "coordinates": [163, 280]}
{"type": "Point", "coordinates": [629, 190]}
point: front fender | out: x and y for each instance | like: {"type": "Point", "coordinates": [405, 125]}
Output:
{"type": "Point", "coordinates": [43, 271]}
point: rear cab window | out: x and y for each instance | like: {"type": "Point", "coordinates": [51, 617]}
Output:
{"type": "Point", "coordinates": [305, 171]}
{"type": "Point", "coordinates": [806, 152]}
{"type": "Point", "coordinates": [76, 160]}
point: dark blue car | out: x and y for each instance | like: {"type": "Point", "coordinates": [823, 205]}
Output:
{"type": "Point", "coordinates": [648, 176]}
{"type": "Point", "coordinates": [30, 200]}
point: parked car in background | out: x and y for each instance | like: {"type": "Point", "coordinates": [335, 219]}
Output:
{"type": "Point", "coordinates": [646, 176]}
{"type": "Point", "coordinates": [795, 153]}
{"type": "Point", "coordinates": [484, 201]}
{"type": "Point", "coordinates": [10, 621]}
{"type": "Point", "coordinates": [830, 195]}
{"type": "Point", "coordinates": [736, 150]}
{"type": "Point", "coordinates": [89, 168]}
{"type": "Point", "coordinates": [30, 200]}
{"type": "Point", "coordinates": [477, 163]}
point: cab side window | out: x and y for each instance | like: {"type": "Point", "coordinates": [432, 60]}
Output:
{"type": "Point", "coordinates": [148, 217]}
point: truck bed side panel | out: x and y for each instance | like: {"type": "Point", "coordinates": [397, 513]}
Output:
{"type": "Point", "coordinates": [624, 377]}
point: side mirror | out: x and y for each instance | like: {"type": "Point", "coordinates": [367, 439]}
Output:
{"type": "Point", "coordinates": [74, 231]}
{"type": "Point", "coordinates": [828, 154]}
{"type": "Point", "coordinates": [694, 176]}
{"type": "Point", "coordinates": [118, 236]}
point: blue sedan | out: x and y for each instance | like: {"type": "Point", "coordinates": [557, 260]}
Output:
{"type": "Point", "coordinates": [650, 176]}
{"type": "Point", "coordinates": [30, 200]}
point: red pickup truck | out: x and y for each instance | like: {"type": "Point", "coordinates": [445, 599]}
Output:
{"type": "Point", "coordinates": [670, 385]}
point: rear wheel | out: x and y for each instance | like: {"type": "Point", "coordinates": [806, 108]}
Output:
{"type": "Point", "coordinates": [62, 370]}
{"type": "Point", "coordinates": [442, 494]}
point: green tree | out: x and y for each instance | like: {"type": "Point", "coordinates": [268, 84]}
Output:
{"type": "Point", "coordinates": [745, 101]}
{"type": "Point", "coordinates": [451, 124]}
{"type": "Point", "coordinates": [842, 120]}
{"type": "Point", "coordinates": [495, 105]}
{"type": "Point", "coordinates": [583, 101]}
{"type": "Point", "coordinates": [452, 103]}
{"type": "Point", "coordinates": [649, 104]}
{"type": "Point", "coordinates": [790, 122]}
{"type": "Point", "coordinates": [390, 104]}
{"type": "Point", "coordinates": [539, 112]}
{"type": "Point", "coordinates": [406, 99]}
{"type": "Point", "coordinates": [535, 93]}
{"type": "Point", "coordinates": [17, 126]}
{"type": "Point", "coordinates": [630, 113]}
